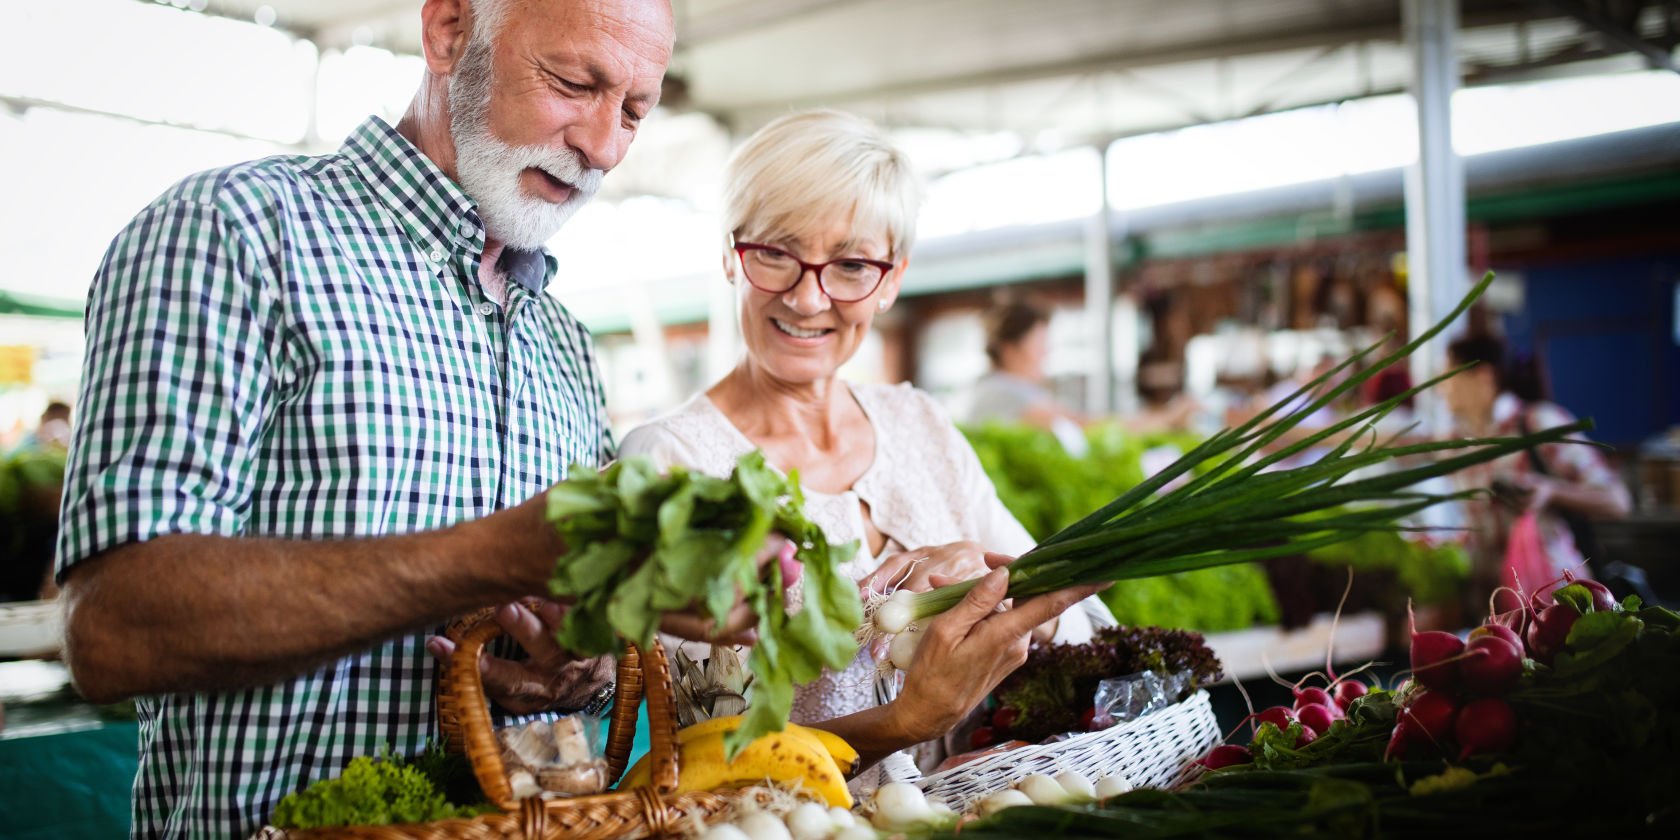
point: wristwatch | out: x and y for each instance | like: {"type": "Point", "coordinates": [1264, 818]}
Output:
{"type": "Point", "coordinates": [602, 699]}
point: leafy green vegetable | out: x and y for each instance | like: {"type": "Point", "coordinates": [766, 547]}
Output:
{"type": "Point", "coordinates": [370, 791]}
{"type": "Point", "coordinates": [641, 544]}
{"type": "Point", "coordinates": [1056, 686]}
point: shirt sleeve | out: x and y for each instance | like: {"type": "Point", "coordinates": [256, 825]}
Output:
{"type": "Point", "coordinates": [176, 385]}
{"type": "Point", "coordinates": [1571, 461]}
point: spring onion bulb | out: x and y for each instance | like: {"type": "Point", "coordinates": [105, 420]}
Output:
{"type": "Point", "coordinates": [810, 821]}
{"type": "Point", "coordinates": [902, 650]}
{"type": "Point", "coordinates": [1043, 790]}
{"type": "Point", "coordinates": [900, 806]}
{"type": "Point", "coordinates": [1002, 800]}
{"type": "Point", "coordinates": [1113, 785]}
{"type": "Point", "coordinates": [1076, 785]}
{"type": "Point", "coordinates": [896, 613]}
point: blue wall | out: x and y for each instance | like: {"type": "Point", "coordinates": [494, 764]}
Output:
{"type": "Point", "coordinates": [1606, 330]}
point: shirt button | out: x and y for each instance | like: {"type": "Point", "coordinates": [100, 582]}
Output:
{"type": "Point", "coordinates": [487, 309]}
{"type": "Point", "coordinates": [436, 255]}
{"type": "Point", "coordinates": [468, 230]}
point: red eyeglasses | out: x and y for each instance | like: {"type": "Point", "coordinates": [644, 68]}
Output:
{"type": "Point", "coordinates": [845, 280]}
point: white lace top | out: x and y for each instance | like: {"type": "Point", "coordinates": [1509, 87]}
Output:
{"type": "Point", "coordinates": [924, 488]}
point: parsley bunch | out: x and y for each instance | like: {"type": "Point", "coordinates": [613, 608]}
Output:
{"type": "Point", "coordinates": [370, 791]}
{"type": "Point", "coordinates": [640, 544]}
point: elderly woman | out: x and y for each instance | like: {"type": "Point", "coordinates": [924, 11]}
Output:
{"type": "Point", "coordinates": [820, 211]}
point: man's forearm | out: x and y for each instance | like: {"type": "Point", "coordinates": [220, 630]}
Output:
{"type": "Point", "coordinates": [192, 612]}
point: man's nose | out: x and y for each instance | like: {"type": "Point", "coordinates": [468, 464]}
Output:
{"type": "Point", "coordinates": [599, 135]}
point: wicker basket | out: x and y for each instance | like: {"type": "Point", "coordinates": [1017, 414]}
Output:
{"type": "Point", "coordinates": [1151, 751]}
{"type": "Point", "coordinates": [464, 717]}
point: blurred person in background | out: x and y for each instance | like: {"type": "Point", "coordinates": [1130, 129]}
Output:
{"type": "Point", "coordinates": [1564, 486]}
{"type": "Point", "coordinates": [820, 212]}
{"type": "Point", "coordinates": [31, 481]}
{"type": "Point", "coordinates": [1017, 390]}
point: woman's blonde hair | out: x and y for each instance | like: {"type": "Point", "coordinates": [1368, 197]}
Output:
{"type": "Point", "coordinates": [797, 175]}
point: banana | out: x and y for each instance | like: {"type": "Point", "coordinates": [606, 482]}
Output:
{"type": "Point", "coordinates": [787, 756]}
{"type": "Point", "coordinates": [844, 756]}
{"type": "Point", "coordinates": [837, 748]}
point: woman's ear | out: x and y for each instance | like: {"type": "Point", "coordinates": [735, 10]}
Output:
{"type": "Point", "coordinates": [892, 284]}
{"type": "Point", "coordinates": [730, 266]}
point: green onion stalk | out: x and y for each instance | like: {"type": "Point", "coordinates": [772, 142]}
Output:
{"type": "Point", "coordinates": [1236, 511]}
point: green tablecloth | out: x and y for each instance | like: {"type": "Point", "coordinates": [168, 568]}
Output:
{"type": "Point", "coordinates": [65, 773]}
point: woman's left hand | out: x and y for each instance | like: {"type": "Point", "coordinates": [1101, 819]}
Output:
{"type": "Point", "coordinates": [911, 569]}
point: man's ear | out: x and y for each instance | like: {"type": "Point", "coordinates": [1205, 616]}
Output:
{"type": "Point", "coordinates": [445, 27]}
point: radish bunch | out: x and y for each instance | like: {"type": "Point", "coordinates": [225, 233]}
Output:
{"type": "Point", "coordinates": [1462, 684]}
{"type": "Point", "coordinates": [1316, 710]}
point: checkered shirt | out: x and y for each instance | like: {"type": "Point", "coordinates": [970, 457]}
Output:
{"type": "Point", "coordinates": [299, 347]}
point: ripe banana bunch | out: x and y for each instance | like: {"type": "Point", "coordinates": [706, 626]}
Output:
{"type": "Point", "coordinates": [818, 760]}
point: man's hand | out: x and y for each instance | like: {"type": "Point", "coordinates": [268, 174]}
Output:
{"type": "Point", "coordinates": [550, 677]}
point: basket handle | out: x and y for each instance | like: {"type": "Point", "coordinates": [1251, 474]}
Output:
{"type": "Point", "coordinates": [464, 713]}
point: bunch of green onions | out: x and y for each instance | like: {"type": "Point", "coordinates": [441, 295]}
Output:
{"type": "Point", "coordinates": [1235, 511]}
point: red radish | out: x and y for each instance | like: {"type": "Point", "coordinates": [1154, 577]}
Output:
{"type": "Point", "coordinates": [1516, 620]}
{"type": "Point", "coordinates": [1306, 737]}
{"type": "Point", "coordinates": [1433, 654]}
{"type": "Point", "coordinates": [1485, 726]}
{"type": "Point", "coordinates": [1005, 717]}
{"type": "Point", "coordinates": [1549, 630]}
{"type": "Point", "coordinates": [1400, 742]}
{"type": "Point", "coordinates": [1088, 718]}
{"type": "Point", "coordinates": [1348, 691]}
{"type": "Point", "coordinates": [1430, 716]}
{"type": "Point", "coordinates": [1278, 716]}
{"type": "Point", "coordinates": [1491, 665]}
{"type": "Point", "coordinates": [1313, 694]}
{"type": "Point", "coordinates": [981, 738]}
{"type": "Point", "coordinates": [1225, 755]}
{"type": "Point", "coordinates": [1316, 717]}
{"type": "Point", "coordinates": [1603, 601]}
{"type": "Point", "coordinates": [1497, 630]}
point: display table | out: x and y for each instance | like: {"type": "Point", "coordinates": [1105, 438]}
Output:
{"type": "Point", "coordinates": [66, 768]}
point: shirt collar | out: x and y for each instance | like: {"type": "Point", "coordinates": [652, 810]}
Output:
{"type": "Point", "coordinates": [436, 213]}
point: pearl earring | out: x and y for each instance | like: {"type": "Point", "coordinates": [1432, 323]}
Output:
{"type": "Point", "coordinates": [881, 305]}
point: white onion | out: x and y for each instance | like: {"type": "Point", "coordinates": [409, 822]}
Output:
{"type": "Point", "coordinates": [1001, 800]}
{"type": "Point", "coordinates": [724, 831]}
{"type": "Point", "coordinates": [842, 818]}
{"type": "Point", "coordinates": [894, 615]}
{"type": "Point", "coordinates": [900, 805]}
{"type": "Point", "coordinates": [1113, 785]}
{"type": "Point", "coordinates": [1043, 790]}
{"type": "Point", "coordinates": [1076, 785]}
{"type": "Point", "coordinates": [810, 821]}
{"type": "Point", "coordinates": [856, 832]}
{"type": "Point", "coordinates": [902, 651]}
{"type": "Point", "coordinates": [763, 825]}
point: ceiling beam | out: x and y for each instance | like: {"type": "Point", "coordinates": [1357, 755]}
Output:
{"type": "Point", "coordinates": [1382, 24]}
{"type": "Point", "coordinates": [1618, 34]}
{"type": "Point", "coordinates": [744, 17]}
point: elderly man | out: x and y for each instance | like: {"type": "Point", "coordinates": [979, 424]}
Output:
{"type": "Point", "coordinates": [321, 399]}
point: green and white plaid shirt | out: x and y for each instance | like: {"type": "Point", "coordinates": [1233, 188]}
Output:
{"type": "Point", "coordinates": [299, 347]}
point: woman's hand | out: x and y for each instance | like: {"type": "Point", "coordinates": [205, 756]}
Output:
{"type": "Point", "coordinates": [913, 570]}
{"type": "Point", "coordinates": [968, 650]}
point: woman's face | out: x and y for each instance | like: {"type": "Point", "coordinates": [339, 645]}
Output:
{"type": "Point", "coordinates": [800, 336]}
{"type": "Point", "coordinates": [1470, 395]}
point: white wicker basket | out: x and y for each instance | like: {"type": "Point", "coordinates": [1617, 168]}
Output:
{"type": "Point", "coordinates": [1151, 751]}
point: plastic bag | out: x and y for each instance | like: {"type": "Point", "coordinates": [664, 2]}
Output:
{"type": "Point", "coordinates": [564, 757]}
{"type": "Point", "coordinates": [1120, 699]}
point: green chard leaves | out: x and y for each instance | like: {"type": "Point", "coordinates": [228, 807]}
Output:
{"type": "Point", "coordinates": [640, 544]}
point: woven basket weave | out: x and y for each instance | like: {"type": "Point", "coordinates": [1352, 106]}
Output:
{"type": "Point", "coordinates": [464, 717]}
{"type": "Point", "coordinates": [1151, 751]}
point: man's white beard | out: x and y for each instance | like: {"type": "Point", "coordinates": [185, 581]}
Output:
{"type": "Point", "coordinates": [489, 170]}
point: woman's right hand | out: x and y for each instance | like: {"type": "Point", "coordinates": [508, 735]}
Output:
{"type": "Point", "coordinates": [968, 650]}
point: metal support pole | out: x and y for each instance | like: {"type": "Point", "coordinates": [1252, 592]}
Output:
{"type": "Point", "coordinates": [1099, 300]}
{"type": "Point", "coordinates": [1435, 245]}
